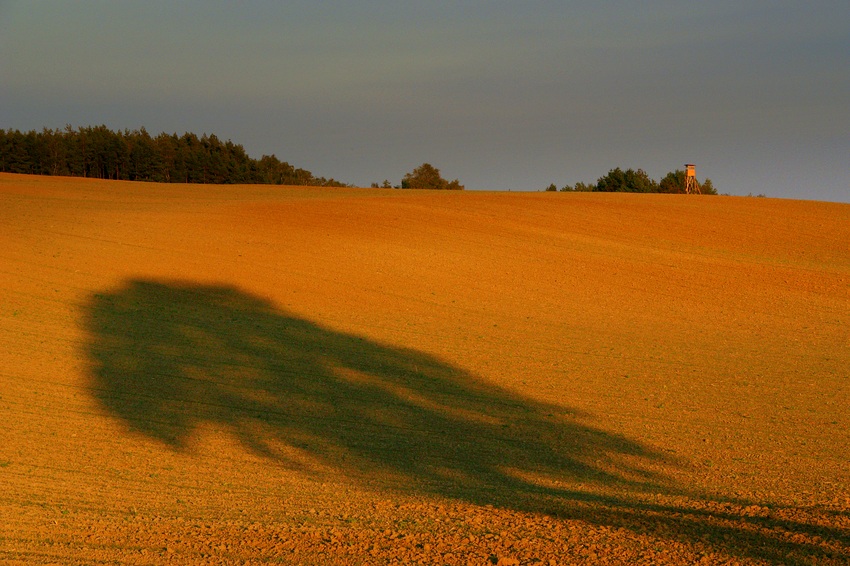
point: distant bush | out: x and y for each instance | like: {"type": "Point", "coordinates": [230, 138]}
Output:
{"type": "Point", "coordinates": [426, 176]}
{"type": "Point", "coordinates": [579, 188]}
{"type": "Point", "coordinates": [628, 181]}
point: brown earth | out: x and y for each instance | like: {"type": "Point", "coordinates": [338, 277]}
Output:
{"type": "Point", "coordinates": [250, 374]}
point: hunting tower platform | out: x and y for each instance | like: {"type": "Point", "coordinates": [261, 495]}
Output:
{"type": "Point", "coordinates": [691, 185]}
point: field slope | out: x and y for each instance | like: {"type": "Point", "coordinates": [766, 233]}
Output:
{"type": "Point", "coordinates": [204, 374]}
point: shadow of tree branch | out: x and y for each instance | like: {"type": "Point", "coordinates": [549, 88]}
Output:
{"type": "Point", "coordinates": [168, 357]}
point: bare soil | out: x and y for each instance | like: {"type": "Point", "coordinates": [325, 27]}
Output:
{"type": "Point", "coordinates": [252, 374]}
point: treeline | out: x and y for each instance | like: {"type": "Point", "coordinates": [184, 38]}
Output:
{"type": "Point", "coordinates": [631, 181]}
{"type": "Point", "coordinates": [137, 156]}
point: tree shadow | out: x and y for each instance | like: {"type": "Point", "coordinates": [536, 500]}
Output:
{"type": "Point", "coordinates": [168, 357]}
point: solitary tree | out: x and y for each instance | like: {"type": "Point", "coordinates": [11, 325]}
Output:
{"type": "Point", "coordinates": [426, 176]}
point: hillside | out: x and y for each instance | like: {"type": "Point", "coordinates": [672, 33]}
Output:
{"type": "Point", "coordinates": [217, 373]}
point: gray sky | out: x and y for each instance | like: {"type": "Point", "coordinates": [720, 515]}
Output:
{"type": "Point", "coordinates": [501, 95]}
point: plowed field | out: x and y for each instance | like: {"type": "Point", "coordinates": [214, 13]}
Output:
{"type": "Point", "coordinates": [252, 374]}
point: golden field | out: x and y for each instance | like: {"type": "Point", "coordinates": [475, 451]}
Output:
{"type": "Point", "coordinates": [253, 374]}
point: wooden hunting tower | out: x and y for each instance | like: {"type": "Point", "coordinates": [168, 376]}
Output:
{"type": "Point", "coordinates": [691, 185]}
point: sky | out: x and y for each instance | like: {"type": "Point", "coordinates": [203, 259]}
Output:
{"type": "Point", "coordinates": [500, 95]}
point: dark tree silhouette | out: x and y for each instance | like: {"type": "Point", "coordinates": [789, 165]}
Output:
{"type": "Point", "coordinates": [628, 181]}
{"type": "Point", "coordinates": [135, 156]}
{"type": "Point", "coordinates": [426, 176]}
